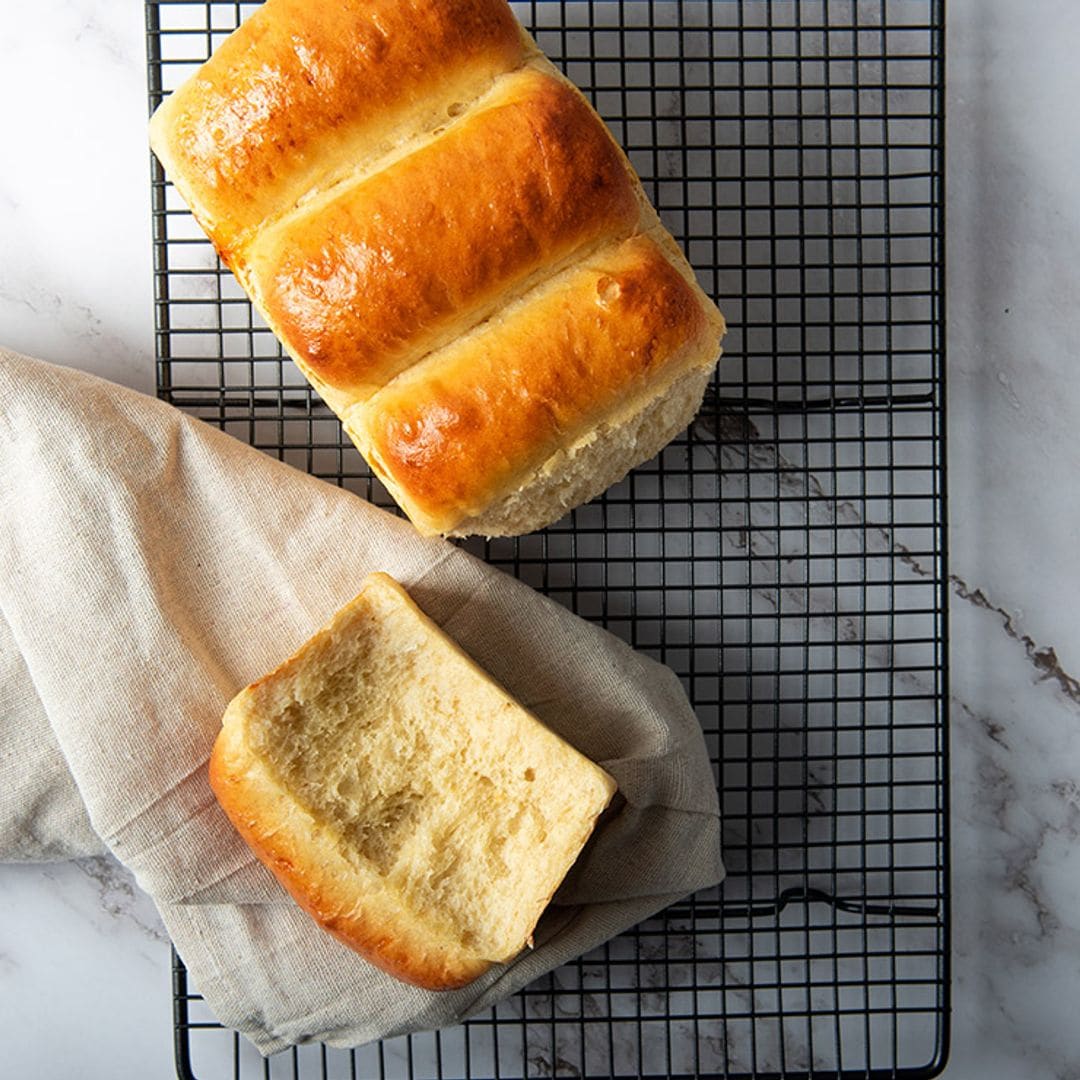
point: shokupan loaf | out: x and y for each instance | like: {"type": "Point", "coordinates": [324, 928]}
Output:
{"type": "Point", "coordinates": [401, 796]}
{"type": "Point", "coordinates": [451, 246]}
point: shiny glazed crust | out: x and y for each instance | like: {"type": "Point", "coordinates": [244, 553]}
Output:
{"type": "Point", "coordinates": [391, 180]}
{"type": "Point", "coordinates": [472, 422]}
{"type": "Point", "coordinates": [302, 91]}
{"type": "Point", "coordinates": [364, 284]}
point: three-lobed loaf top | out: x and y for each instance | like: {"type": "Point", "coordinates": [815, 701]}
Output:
{"type": "Point", "coordinates": [448, 242]}
{"type": "Point", "coordinates": [404, 799]}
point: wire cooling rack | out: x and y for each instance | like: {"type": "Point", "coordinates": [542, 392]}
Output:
{"type": "Point", "coordinates": [786, 556]}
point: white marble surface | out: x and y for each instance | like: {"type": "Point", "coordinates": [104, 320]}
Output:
{"type": "Point", "coordinates": [84, 984]}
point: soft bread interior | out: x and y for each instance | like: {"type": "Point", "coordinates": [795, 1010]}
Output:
{"type": "Point", "coordinates": [586, 469]}
{"type": "Point", "coordinates": [441, 794]}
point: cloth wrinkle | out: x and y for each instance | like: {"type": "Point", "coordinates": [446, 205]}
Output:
{"type": "Point", "coordinates": [153, 566]}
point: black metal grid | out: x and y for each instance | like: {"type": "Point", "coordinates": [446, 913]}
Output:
{"type": "Point", "coordinates": [787, 556]}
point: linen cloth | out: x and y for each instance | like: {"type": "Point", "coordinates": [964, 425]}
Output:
{"type": "Point", "coordinates": [152, 566]}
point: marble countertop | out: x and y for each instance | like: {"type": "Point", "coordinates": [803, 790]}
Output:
{"type": "Point", "coordinates": [84, 961]}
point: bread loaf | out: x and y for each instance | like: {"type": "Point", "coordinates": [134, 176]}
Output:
{"type": "Point", "coordinates": [448, 242]}
{"type": "Point", "coordinates": [403, 798]}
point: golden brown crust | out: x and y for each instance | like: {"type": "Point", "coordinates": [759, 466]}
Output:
{"type": "Point", "coordinates": [384, 176]}
{"type": "Point", "coordinates": [311, 869]}
{"type": "Point", "coordinates": [299, 82]}
{"type": "Point", "coordinates": [361, 286]}
{"type": "Point", "coordinates": [454, 432]}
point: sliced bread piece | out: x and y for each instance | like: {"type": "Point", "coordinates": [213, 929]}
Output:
{"type": "Point", "coordinates": [402, 797]}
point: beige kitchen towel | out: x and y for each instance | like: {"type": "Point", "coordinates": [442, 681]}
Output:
{"type": "Point", "coordinates": [42, 817]}
{"type": "Point", "coordinates": [151, 567]}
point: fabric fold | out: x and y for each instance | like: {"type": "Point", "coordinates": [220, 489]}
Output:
{"type": "Point", "coordinates": [152, 567]}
